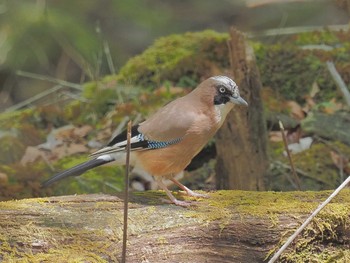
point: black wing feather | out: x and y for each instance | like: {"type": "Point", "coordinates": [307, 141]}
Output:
{"type": "Point", "coordinates": [76, 170]}
{"type": "Point", "coordinates": [123, 136]}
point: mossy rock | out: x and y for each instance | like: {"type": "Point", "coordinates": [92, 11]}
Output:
{"type": "Point", "coordinates": [181, 59]}
{"type": "Point", "coordinates": [293, 66]}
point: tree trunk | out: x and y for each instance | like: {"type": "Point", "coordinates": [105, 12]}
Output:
{"type": "Point", "coordinates": [241, 143]}
{"type": "Point", "coordinates": [229, 226]}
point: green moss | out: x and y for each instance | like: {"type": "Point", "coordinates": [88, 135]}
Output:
{"type": "Point", "coordinates": [11, 149]}
{"type": "Point", "coordinates": [176, 57]}
{"type": "Point", "coordinates": [62, 233]}
{"type": "Point", "coordinates": [291, 71]}
{"type": "Point", "coordinates": [106, 179]}
{"type": "Point", "coordinates": [313, 244]}
{"type": "Point", "coordinates": [320, 173]}
{"type": "Point", "coordinates": [326, 37]}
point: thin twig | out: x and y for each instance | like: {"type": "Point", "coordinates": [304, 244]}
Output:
{"type": "Point", "coordinates": [34, 98]}
{"type": "Point", "coordinates": [296, 30]}
{"type": "Point", "coordinates": [300, 172]}
{"type": "Point", "coordinates": [49, 79]}
{"type": "Point", "coordinates": [339, 81]}
{"type": "Point", "coordinates": [126, 191]}
{"type": "Point", "coordinates": [308, 220]}
{"type": "Point", "coordinates": [108, 57]}
{"type": "Point", "coordinates": [296, 178]}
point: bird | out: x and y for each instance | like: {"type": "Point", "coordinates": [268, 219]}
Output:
{"type": "Point", "coordinates": [164, 144]}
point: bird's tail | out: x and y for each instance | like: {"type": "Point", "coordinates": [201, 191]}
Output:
{"type": "Point", "coordinates": [77, 170]}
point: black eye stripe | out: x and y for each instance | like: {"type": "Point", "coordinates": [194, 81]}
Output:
{"type": "Point", "coordinates": [223, 90]}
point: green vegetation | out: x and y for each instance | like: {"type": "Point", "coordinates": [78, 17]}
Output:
{"type": "Point", "coordinates": [181, 59]}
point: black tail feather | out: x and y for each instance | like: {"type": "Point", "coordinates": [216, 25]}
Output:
{"type": "Point", "coordinates": [76, 170]}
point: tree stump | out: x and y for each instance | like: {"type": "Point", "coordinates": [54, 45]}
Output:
{"type": "Point", "coordinates": [241, 143]}
{"type": "Point", "coordinates": [229, 226]}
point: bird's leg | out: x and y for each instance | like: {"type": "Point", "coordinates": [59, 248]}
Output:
{"type": "Point", "coordinates": [186, 189]}
{"type": "Point", "coordinates": [169, 194]}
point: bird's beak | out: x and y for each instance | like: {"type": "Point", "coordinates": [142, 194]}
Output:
{"type": "Point", "coordinates": [239, 100]}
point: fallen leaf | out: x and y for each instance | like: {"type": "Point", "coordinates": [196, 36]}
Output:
{"type": "Point", "coordinates": [296, 110]}
{"type": "Point", "coordinates": [69, 149]}
{"type": "Point", "coordinates": [82, 131]}
{"type": "Point", "coordinates": [275, 136]}
{"type": "Point", "coordinates": [314, 89]}
{"type": "Point", "coordinates": [31, 155]}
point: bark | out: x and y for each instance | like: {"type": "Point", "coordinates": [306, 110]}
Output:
{"type": "Point", "coordinates": [241, 143]}
{"type": "Point", "coordinates": [229, 226]}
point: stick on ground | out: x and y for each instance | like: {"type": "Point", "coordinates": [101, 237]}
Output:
{"type": "Point", "coordinates": [126, 192]}
{"type": "Point", "coordinates": [308, 220]}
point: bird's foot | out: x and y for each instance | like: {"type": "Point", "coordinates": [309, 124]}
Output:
{"type": "Point", "coordinates": [179, 202]}
{"type": "Point", "coordinates": [183, 203]}
{"type": "Point", "coordinates": [194, 194]}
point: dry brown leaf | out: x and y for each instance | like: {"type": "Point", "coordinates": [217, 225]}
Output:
{"type": "Point", "coordinates": [31, 155]}
{"type": "Point", "coordinates": [314, 89]}
{"type": "Point", "coordinates": [68, 149]}
{"type": "Point", "coordinates": [275, 136]}
{"type": "Point", "coordinates": [64, 133]}
{"type": "Point", "coordinates": [296, 110]}
{"type": "Point", "coordinates": [82, 131]}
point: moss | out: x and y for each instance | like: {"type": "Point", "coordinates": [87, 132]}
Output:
{"type": "Point", "coordinates": [291, 70]}
{"type": "Point", "coordinates": [107, 179]}
{"type": "Point", "coordinates": [11, 149]}
{"type": "Point", "coordinates": [12, 119]}
{"type": "Point", "coordinates": [325, 229]}
{"type": "Point", "coordinates": [320, 173]}
{"type": "Point", "coordinates": [182, 59]}
{"type": "Point", "coordinates": [59, 232]}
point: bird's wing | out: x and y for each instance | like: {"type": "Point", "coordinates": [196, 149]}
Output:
{"type": "Point", "coordinates": [166, 127]}
{"type": "Point", "coordinates": [119, 142]}
{"type": "Point", "coordinates": [171, 122]}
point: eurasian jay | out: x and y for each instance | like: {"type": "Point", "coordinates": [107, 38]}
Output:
{"type": "Point", "coordinates": [164, 144]}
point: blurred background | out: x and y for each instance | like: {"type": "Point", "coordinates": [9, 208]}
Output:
{"type": "Point", "coordinates": [60, 96]}
{"type": "Point", "coordinates": [67, 40]}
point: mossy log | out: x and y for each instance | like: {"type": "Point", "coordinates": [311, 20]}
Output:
{"type": "Point", "coordinates": [229, 226]}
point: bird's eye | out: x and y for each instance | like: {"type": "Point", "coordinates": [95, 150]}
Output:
{"type": "Point", "coordinates": [222, 89]}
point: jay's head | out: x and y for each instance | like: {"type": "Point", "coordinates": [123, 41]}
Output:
{"type": "Point", "coordinates": [226, 91]}
{"type": "Point", "coordinates": [220, 91]}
